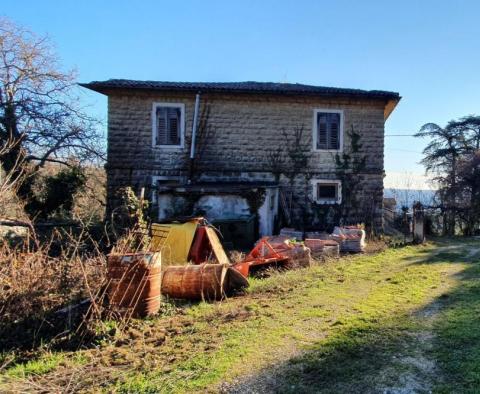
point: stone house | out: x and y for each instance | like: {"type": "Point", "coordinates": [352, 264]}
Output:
{"type": "Point", "coordinates": [280, 154]}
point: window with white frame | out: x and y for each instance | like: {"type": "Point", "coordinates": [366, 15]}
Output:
{"type": "Point", "coordinates": [328, 130]}
{"type": "Point", "coordinates": [168, 124]}
{"type": "Point", "coordinates": [327, 191]}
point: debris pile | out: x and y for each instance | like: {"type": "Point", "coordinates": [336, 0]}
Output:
{"type": "Point", "coordinates": [321, 248]}
{"type": "Point", "coordinates": [298, 255]}
{"type": "Point", "coordinates": [291, 233]}
{"type": "Point", "coordinates": [351, 239]}
{"type": "Point", "coordinates": [186, 260]}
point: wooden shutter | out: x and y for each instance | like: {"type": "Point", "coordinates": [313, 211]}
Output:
{"type": "Point", "coordinates": [322, 130]}
{"type": "Point", "coordinates": [334, 134]}
{"type": "Point", "coordinates": [328, 129]}
{"type": "Point", "coordinates": [168, 126]}
{"type": "Point", "coordinates": [162, 135]}
{"type": "Point", "coordinates": [174, 126]}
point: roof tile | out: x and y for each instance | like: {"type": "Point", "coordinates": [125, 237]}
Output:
{"type": "Point", "coordinates": [237, 87]}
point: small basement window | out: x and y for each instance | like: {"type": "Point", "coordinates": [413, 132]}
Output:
{"type": "Point", "coordinates": [327, 191]}
{"type": "Point", "coordinates": [328, 129]}
{"type": "Point", "coordinates": [159, 182]}
{"type": "Point", "coordinates": [168, 124]}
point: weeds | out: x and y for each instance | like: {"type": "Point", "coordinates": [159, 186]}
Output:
{"type": "Point", "coordinates": [36, 284]}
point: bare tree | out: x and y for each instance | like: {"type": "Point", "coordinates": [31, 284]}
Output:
{"type": "Point", "coordinates": [41, 119]}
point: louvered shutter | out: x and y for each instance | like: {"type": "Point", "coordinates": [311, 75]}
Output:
{"type": "Point", "coordinates": [328, 129]}
{"type": "Point", "coordinates": [168, 126]}
{"type": "Point", "coordinates": [174, 126]}
{"type": "Point", "coordinates": [162, 133]}
{"type": "Point", "coordinates": [322, 130]}
{"type": "Point", "coordinates": [334, 131]}
{"type": "Point", "coordinates": [334, 134]}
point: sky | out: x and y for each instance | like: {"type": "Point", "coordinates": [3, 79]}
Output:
{"type": "Point", "coordinates": [428, 51]}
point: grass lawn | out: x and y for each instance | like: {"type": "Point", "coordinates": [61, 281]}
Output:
{"type": "Point", "coordinates": [403, 320]}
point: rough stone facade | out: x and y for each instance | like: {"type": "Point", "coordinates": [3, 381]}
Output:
{"type": "Point", "coordinates": [251, 137]}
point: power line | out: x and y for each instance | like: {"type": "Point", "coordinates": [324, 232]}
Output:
{"type": "Point", "coordinates": [399, 135]}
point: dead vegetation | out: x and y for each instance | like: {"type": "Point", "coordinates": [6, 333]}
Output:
{"type": "Point", "coordinates": [36, 283]}
{"type": "Point", "coordinates": [47, 263]}
{"type": "Point", "coordinates": [53, 273]}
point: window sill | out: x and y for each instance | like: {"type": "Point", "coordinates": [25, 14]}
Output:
{"type": "Point", "coordinates": [327, 202]}
{"type": "Point", "coordinates": [328, 150]}
{"type": "Point", "coordinates": [168, 147]}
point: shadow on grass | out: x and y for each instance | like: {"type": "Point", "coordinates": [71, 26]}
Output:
{"type": "Point", "coordinates": [367, 356]}
{"type": "Point", "coordinates": [55, 332]}
{"type": "Point", "coordinates": [457, 334]}
{"type": "Point", "coordinates": [50, 330]}
{"type": "Point", "coordinates": [456, 328]}
{"type": "Point", "coordinates": [347, 362]}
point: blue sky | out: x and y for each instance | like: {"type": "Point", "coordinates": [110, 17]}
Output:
{"type": "Point", "coordinates": [429, 51]}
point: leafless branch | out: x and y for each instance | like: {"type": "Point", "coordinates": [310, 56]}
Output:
{"type": "Point", "coordinates": [41, 119]}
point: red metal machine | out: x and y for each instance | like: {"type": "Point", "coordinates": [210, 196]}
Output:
{"type": "Point", "coordinates": [267, 252]}
{"type": "Point", "coordinates": [206, 246]}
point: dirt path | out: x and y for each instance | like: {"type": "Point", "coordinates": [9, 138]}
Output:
{"type": "Point", "coordinates": [410, 369]}
{"type": "Point", "coordinates": [421, 371]}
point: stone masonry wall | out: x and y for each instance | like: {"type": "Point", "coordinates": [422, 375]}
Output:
{"type": "Point", "coordinates": [247, 139]}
